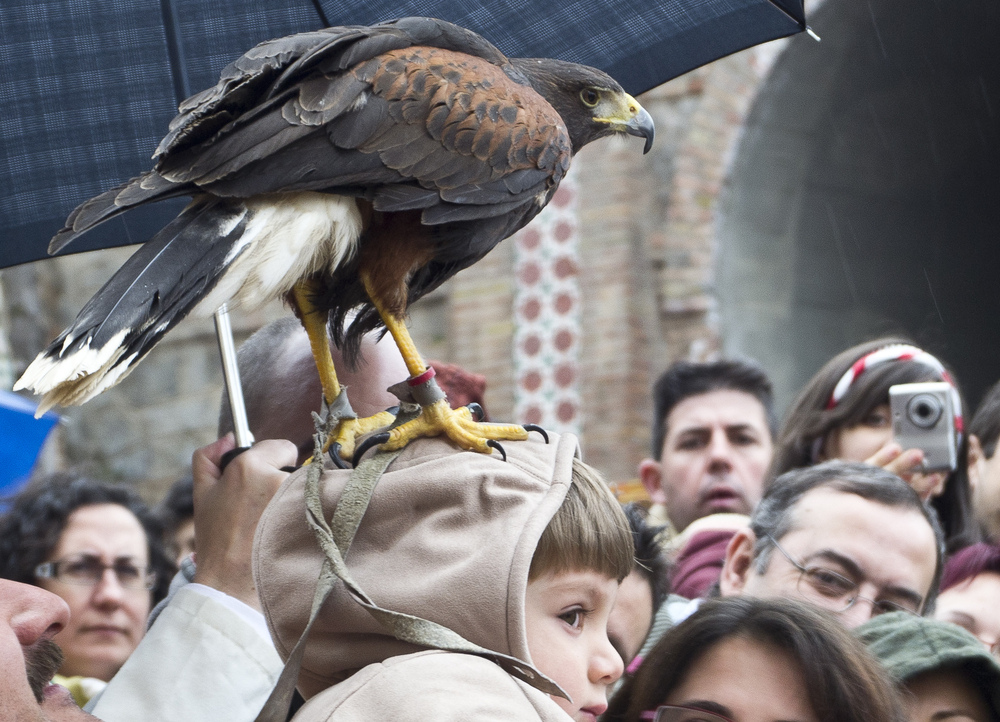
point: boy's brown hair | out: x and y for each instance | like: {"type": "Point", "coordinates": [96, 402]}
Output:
{"type": "Point", "coordinates": [589, 532]}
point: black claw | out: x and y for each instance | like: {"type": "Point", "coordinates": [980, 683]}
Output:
{"type": "Point", "coordinates": [336, 457]}
{"type": "Point", "coordinates": [476, 410]}
{"type": "Point", "coordinates": [373, 440]}
{"type": "Point", "coordinates": [539, 429]}
{"type": "Point", "coordinates": [496, 445]}
{"type": "Point", "coordinates": [394, 410]}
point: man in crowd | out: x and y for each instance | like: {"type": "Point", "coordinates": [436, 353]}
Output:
{"type": "Point", "coordinates": [642, 592]}
{"type": "Point", "coordinates": [281, 386]}
{"type": "Point", "coordinates": [29, 617]}
{"type": "Point", "coordinates": [984, 463]}
{"type": "Point", "coordinates": [943, 671]}
{"type": "Point", "coordinates": [713, 430]}
{"type": "Point", "coordinates": [208, 656]}
{"type": "Point", "coordinates": [848, 537]}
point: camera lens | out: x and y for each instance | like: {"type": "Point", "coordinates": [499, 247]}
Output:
{"type": "Point", "coordinates": [924, 410]}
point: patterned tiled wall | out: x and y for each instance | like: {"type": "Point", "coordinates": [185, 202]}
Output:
{"type": "Point", "coordinates": [547, 316]}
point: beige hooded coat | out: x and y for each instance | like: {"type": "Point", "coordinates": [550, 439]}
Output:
{"type": "Point", "coordinates": [448, 536]}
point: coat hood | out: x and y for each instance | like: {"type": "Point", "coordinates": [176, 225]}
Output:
{"type": "Point", "coordinates": [448, 536]}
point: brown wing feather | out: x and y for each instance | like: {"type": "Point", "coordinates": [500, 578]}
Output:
{"type": "Point", "coordinates": [486, 126]}
{"type": "Point", "coordinates": [431, 118]}
{"type": "Point", "coordinates": [459, 141]}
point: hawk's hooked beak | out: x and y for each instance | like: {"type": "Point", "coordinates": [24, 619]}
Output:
{"type": "Point", "coordinates": [641, 123]}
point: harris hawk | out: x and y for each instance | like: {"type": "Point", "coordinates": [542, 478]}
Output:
{"type": "Point", "coordinates": [350, 170]}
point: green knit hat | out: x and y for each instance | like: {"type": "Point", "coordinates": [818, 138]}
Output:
{"type": "Point", "coordinates": [908, 645]}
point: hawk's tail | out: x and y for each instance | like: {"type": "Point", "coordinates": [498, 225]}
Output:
{"type": "Point", "coordinates": [148, 296]}
{"type": "Point", "coordinates": [147, 188]}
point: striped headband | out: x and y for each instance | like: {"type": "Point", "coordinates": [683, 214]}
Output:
{"type": "Point", "coordinates": [897, 352]}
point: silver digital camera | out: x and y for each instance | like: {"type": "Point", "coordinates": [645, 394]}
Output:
{"type": "Point", "coordinates": [923, 418]}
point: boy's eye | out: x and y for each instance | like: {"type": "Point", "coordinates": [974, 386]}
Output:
{"type": "Point", "coordinates": [573, 618]}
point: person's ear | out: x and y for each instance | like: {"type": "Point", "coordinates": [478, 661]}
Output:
{"type": "Point", "coordinates": [974, 456]}
{"type": "Point", "coordinates": [651, 476]}
{"type": "Point", "coordinates": [738, 563]}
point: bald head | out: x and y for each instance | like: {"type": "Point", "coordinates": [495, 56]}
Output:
{"type": "Point", "coordinates": [281, 386]}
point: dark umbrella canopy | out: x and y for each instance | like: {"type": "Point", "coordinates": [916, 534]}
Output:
{"type": "Point", "coordinates": [89, 86]}
{"type": "Point", "coordinates": [640, 43]}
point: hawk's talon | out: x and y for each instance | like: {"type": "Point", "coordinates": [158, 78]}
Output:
{"type": "Point", "coordinates": [539, 429]}
{"type": "Point", "coordinates": [496, 445]}
{"type": "Point", "coordinates": [373, 440]}
{"type": "Point", "coordinates": [335, 456]}
{"type": "Point", "coordinates": [476, 410]}
{"type": "Point", "coordinates": [341, 435]}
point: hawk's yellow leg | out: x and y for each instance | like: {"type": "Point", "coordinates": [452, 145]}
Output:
{"type": "Point", "coordinates": [438, 418]}
{"type": "Point", "coordinates": [315, 323]}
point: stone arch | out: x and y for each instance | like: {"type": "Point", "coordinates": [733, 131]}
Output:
{"type": "Point", "coordinates": [709, 108]}
{"type": "Point", "coordinates": [862, 200]}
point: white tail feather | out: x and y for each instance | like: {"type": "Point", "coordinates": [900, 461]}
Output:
{"type": "Point", "coordinates": [287, 237]}
{"type": "Point", "coordinates": [46, 372]}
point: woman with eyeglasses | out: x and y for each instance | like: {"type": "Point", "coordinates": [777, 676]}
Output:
{"type": "Point", "coordinates": [844, 413]}
{"type": "Point", "coordinates": [99, 548]}
{"type": "Point", "coordinates": [745, 659]}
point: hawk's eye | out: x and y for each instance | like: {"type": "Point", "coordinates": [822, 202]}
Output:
{"type": "Point", "coordinates": [589, 96]}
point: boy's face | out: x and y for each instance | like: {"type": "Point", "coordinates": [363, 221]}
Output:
{"type": "Point", "coordinates": [566, 620]}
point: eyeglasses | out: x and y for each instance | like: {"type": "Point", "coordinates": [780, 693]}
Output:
{"type": "Point", "coordinates": [680, 713]}
{"type": "Point", "coordinates": [831, 590]}
{"type": "Point", "coordinates": [88, 570]}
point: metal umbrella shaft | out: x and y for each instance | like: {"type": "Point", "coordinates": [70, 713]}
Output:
{"type": "Point", "coordinates": [231, 374]}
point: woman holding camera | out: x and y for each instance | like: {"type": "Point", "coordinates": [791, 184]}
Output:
{"type": "Point", "coordinates": [844, 413]}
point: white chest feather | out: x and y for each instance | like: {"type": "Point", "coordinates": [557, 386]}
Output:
{"type": "Point", "coordinates": [287, 237]}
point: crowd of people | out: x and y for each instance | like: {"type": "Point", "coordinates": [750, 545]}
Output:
{"type": "Point", "coordinates": [807, 569]}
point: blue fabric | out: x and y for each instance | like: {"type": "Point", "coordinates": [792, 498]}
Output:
{"type": "Point", "coordinates": [21, 439]}
{"type": "Point", "coordinates": [89, 86]}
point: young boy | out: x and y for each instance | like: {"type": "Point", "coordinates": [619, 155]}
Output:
{"type": "Point", "coordinates": [522, 558]}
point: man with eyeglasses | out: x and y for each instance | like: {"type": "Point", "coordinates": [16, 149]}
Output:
{"type": "Point", "coordinates": [850, 538]}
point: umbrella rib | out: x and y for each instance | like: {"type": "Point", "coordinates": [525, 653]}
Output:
{"type": "Point", "coordinates": [175, 50]}
{"type": "Point", "coordinates": [800, 23]}
{"type": "Point", "coordinates": [321, 13]}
